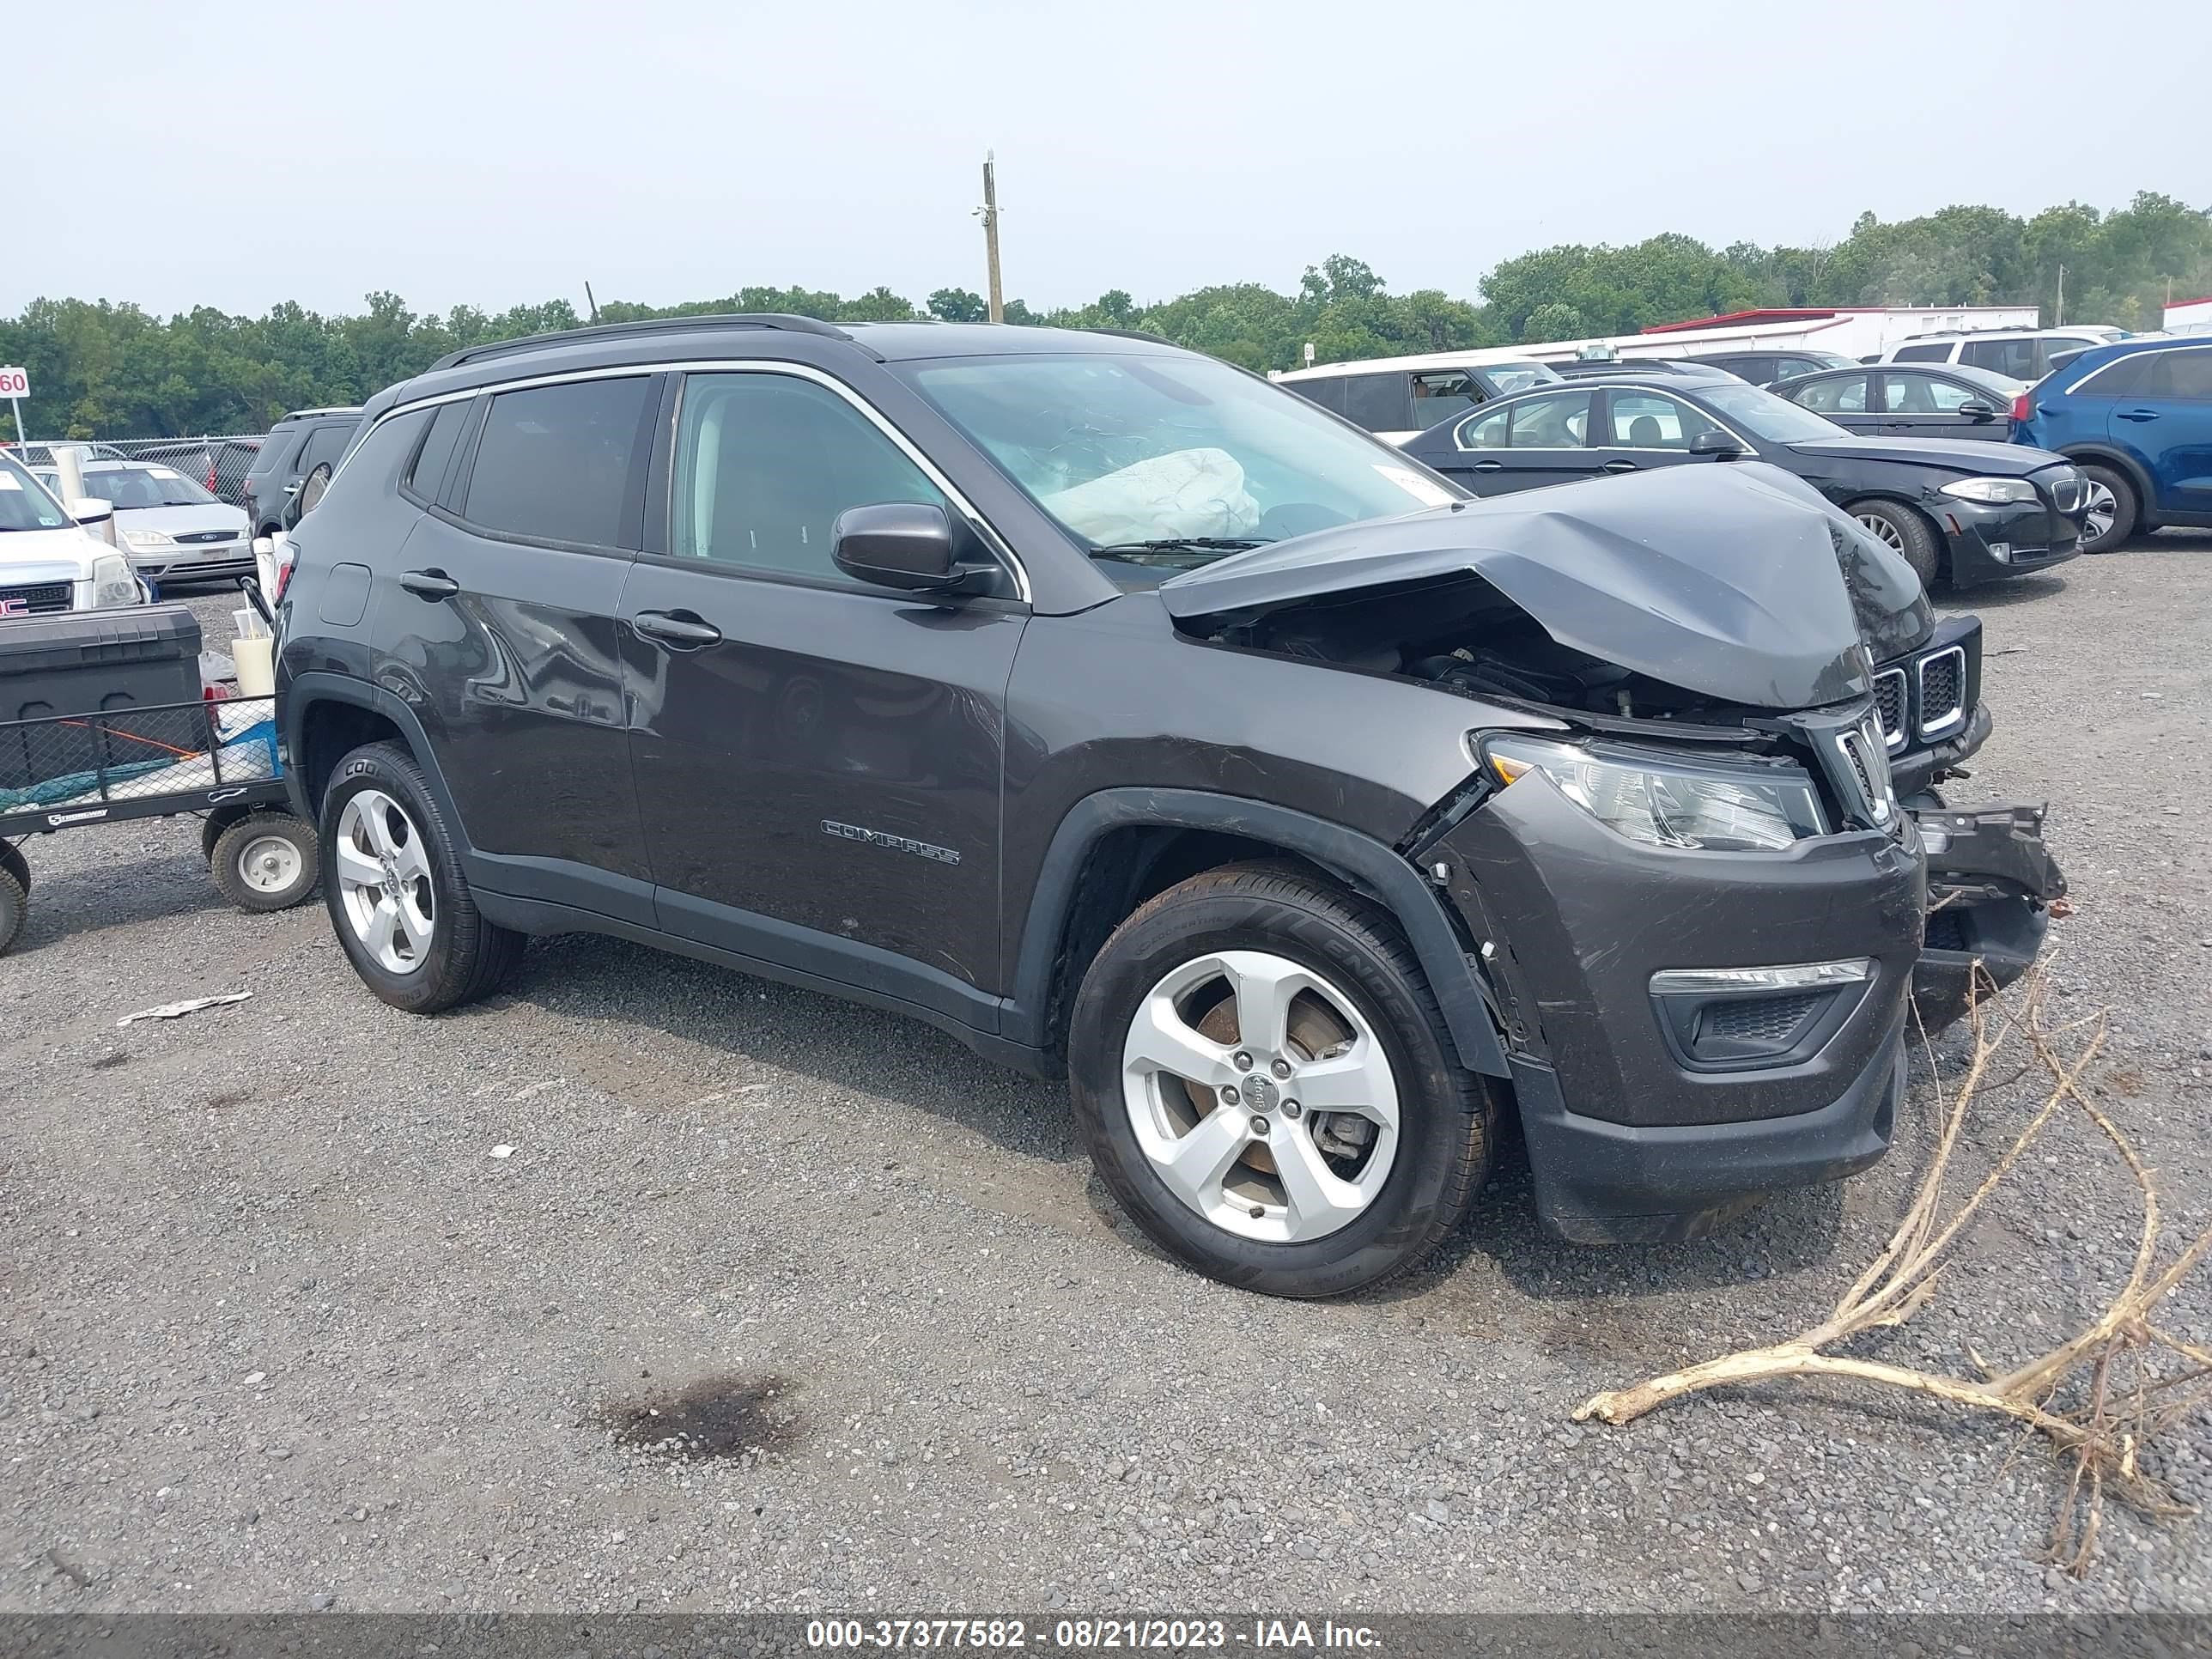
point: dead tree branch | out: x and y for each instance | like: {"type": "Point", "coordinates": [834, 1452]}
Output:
{"type": "Point", "coordinates": [2128, 1401]}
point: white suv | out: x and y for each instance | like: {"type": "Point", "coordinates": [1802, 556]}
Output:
{"type": "Point", "coordinates": [49, 560]}
{"type": "Point", "coordinates": [2018, 353]}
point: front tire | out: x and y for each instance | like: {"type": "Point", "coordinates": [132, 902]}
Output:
{"type": "Point", "coordinates": [393, 883]}
{"type": "Point", "coordinates": [2113, 512]}
{"type": "Point", "coordinates": [1267, 1086]}
{"type": "Point", "coordinates": [1904, 532]}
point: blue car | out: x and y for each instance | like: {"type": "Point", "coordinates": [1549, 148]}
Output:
{"type": "Point", "coordinates": [2136, 418]}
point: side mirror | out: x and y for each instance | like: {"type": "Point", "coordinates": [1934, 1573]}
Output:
{"type": "Point", "coordinates": [1977, 410]}
{"type": "Point", "coordinates": [88, 511]}
{"type": "Point", "coordinates": [896, 545]}
{"type": "Point", "coordinates": [1712, 441]}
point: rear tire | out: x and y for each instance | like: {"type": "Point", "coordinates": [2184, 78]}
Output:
{"type": "Point", "coordinates": [2101, 533]}
{"type": "Point", "coordinates": [1906, 533]}
{"type": "Point", "coordinates": [266, 861]}
{"type": "Point", "coordinates": [1268, 1192]}
{"type": "Point", "coordinates": [393, 883]}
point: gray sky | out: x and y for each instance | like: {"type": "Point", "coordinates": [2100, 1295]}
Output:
{"type": "Point", "coordinates": [239, 154]}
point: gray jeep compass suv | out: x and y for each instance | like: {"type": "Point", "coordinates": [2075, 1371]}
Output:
{"type": "Point", "coordinates": [1135, 719]}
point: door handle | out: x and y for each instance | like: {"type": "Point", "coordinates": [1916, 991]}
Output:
{"type": "Point", "coordinates": [679, 629]}
{"type": "Point", "coordinates": [2138, 414]}
{"type": "Point", "coordinates": [1487, 466]}
{"type": "Point", "coordinates": [429, 584]}
{"type": "Point", "coordinates": [1618, 467]}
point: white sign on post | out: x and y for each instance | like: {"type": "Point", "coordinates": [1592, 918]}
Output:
{"type": "Point", "coordinates": [14, 384]}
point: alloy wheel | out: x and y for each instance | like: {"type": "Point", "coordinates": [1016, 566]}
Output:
{"type": "Point", "coordinates": [1884, 531]}
{"type": "Point", "coordinates": [1262, 1096]}
{"type": "Point", "coordinates": [2097, 518]}
{"type": "Point", "coordinates": [384, 881]}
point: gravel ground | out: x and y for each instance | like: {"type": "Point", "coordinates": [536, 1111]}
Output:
{"type": "Point", "coordinates": [281, 1325]}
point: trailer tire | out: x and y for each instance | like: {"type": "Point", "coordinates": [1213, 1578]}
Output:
{"type": "Point", "coordinates": [14, 906]}
{"type": "Point", "coordinates": [213, 825]}
{"type": "Point", "coordinates": [266, 861]}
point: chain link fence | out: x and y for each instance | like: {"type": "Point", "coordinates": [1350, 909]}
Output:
{"type": "Point", "coordinates": [219, 461]}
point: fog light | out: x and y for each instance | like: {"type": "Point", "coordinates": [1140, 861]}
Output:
{"type": "Point", "coordinates": [1800, 976]}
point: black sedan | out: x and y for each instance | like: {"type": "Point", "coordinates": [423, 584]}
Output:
{"type": "Point", "coordinates": [1971, 512]}
{"type": "Point", "coordinates": [1909, 400]}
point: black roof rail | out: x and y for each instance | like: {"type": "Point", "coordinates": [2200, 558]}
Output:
{"type": "Point", "coordinates": [773, 319]}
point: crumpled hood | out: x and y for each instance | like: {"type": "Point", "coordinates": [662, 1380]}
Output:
{"type": "Point", "coordinates": [1737, 581]}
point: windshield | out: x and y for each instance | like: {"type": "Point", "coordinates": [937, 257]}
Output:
{"type": "Point", "coordinates": [145, 486]}
{"type": "Point", "coordinates": [24, 502]}
{"type": "Point", "coordinates": [1124, 451]}
{"type": "Point", "coordinates": [1762, 414]}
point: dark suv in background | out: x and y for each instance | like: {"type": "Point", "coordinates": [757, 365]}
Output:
{"type": "Point", "coordinates": [295, 445]}
{"type": "Point", "coordinates": [1129, 717]}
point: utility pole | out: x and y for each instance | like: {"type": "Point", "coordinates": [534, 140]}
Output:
{"type": "Point", "coordinates": [990, 212]}
{"type": "Point", "coordinates": [2059, 320]}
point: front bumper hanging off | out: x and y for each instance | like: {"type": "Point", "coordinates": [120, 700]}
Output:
{"type": "Point", "coordinates": [1636, 1133]}
{"type": "Point", "coordinates": [1991, 883]}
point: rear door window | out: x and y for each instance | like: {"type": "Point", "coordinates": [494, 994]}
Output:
{"type": "Point", "coordinates": [2015, 359]}
{"type": "Point", "coordinates": [1380, 402]}
{"type": "Point", "coordinates": [2045, 350]}
{"type": "Point", "coordinates": [1558, 421]}
{"type": "Point", "coordinates": [1648, 420]}
{"type": "Point", "coordinates": [1440, 396]}
{"type": "Point", "coordinates": [555, 464]}
{"type": "Point", "coordinates": [1840, 394]}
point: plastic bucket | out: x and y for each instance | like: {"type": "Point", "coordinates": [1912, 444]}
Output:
{"type": "Point", "coordinates": [256, 666]}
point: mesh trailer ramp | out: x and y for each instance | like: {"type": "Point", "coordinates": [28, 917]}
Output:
{"type": "Point", "coordinates": [217, 759]}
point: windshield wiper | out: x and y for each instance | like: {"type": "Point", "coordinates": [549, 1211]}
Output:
{"type": "Point", "coordinates": [1180, 545]}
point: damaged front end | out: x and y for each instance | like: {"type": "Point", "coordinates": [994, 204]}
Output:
{"type": "Point", "coordinates": [1689, 606]}
{"type": "Point", "coordinates": [1701, 912]}
{"type": "Point", "coordinates": [1992, 888]}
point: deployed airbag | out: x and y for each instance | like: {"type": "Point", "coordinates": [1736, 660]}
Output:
{"type": "Point", "coordinates": [1190, 492]}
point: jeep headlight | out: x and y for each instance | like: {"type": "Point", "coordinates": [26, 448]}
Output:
{"type": "Point", "coordinates": [144, 539]}
{"type": "Point", "coordinates": [1991, 492]}
{"type": "Point", "coordinates": [1669, 800]}
{"type": "Point", "coordinates": [113, 584]}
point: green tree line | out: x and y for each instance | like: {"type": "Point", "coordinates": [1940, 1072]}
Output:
{"type": "Point", "coordinates": [105, 370]}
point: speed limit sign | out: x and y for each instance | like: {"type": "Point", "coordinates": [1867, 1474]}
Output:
{"type": "Point", "coordinates": [14, 383]}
